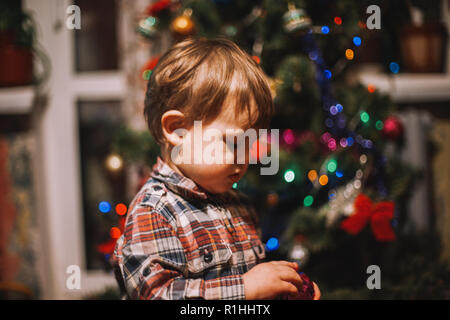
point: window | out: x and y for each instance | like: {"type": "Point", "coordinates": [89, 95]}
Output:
{"type": "Point", "coordinates": [102, 179]}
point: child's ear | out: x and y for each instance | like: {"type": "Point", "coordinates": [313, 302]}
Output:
{"type": "Point", "coordinates": [172, 125]}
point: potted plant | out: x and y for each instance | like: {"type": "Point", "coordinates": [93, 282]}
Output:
{"type": "Point", "coordinates": [17, 37]}
{"type": "Point", "coordinates": [423, 40]}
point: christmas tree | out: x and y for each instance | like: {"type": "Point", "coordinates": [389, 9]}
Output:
{"type": "Point", "coordinates": [336, 206]}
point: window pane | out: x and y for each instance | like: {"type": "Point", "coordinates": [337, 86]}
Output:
{"type": "Point", "coordinates": [103, 179]}
{"type": "Point", "coordinates": [96, 42]}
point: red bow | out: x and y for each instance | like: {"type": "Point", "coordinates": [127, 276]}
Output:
{"type": "Point", "coordinates": [379, 215]}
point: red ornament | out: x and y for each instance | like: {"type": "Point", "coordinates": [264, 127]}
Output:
{"type": "Point", "coordinates": [392, 128]}
{"type": "Point", "coordinates": [306, 292]}
{"type": "Point", "coordinates": [379, 215]}
{"type": "Point", "coordinates": [157, 7]}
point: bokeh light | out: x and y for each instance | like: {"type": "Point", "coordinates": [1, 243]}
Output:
{"type": "Point", "coordinates": [114, 162]}
{"type": "Point", "coordinates": [115, 233]}
{"type": "Point", "coordinates": [288, 136]}
{"type": "Point", "coordinates": [308, 201]}
{"type": "Point", "coordinates": [312, 175]}
{"type": "Point", "coordinates": [325, 30]}
{"type": "Point", "coordinates": [394, 67]}
{"type": "Point", "coordinates": [350, 141]}
{"type": "Point", "coordinates": [332, 165]}
{"type": "Point", "coordinates": [121, 209]}
{"type": "Point", "coordinates": [333, 110]}
{"type": "Point", "coordinates": [364, 117]}
{"type": "Point", "coordinates": [332, 144]}
{"type": "Point", "coordinates": [379, 125]}
{"type": "Point", "coordinates": [272, 244]}
{"type": "Point", "coordinates": [349, 54]}
{"type": "Point", "coordinates": [357, 41]}
{"type": "Point", "coordinates": [289, 175]}
{"type": "Point", "coordinates": [323, 180]}
{"type": "Point", "coordinates": [104, 206]}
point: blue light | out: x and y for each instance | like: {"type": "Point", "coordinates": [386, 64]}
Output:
{"type": "Point", "coordinates": [272, 244]}
{"type": "Point", "coordinates": [327, 74]}
{"type": "Point", "coordinates": [367, 144]}
{"type": "Point", "coordinates": [341, 122]}
{"type": "Point", "coordinates": [313, 55]}
{"type": "Point", "coordinates": [357, 41]}
{"type": "Point", "coordinates": [339, 107]}
{"type": "Point", "coordinates": [350, 141]}
{"type": "Point", "coordinates": [325, 30]}
{"type": "Point", "coordinates": [394, 67]}
{"type": "Point", "coordinates": [104, 206]}
{"type": "Point", "coordinates": [333, 110]}
{"type": "Point", "coordinates": [329, 122]}
{"type": "Point", "coordinates": [339, 174]}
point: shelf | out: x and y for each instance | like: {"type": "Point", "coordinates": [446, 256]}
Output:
{"type": "Point", "coordinates": [16, 100]}
{"type": "Point", "coordinates": [409, 87]}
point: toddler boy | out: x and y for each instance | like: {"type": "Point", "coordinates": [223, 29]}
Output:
{"type": "Point", "coordinates": [188, 233]}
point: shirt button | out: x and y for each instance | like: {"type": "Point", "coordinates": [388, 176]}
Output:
{"type": "Point", "coordinates": [207, 256]}
{"type": "Point", "coordinates": [146, 271]}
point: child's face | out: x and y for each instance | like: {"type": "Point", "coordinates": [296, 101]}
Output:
{"type": "Point", "coordinates": [215, 177]}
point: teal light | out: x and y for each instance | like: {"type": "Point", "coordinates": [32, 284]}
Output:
{"type": "Point", "coordinates": [379, 125]}
{"type": "Point", "coordinates": [365, 117]}
{"type": "Point", "coordinates": [308, 201]}
{"type": "Point", "coordinates": [332, 166]}
{"type": "Point", "coordinates": [234, 185]}
{"type": "Point", "coordinates": [289, 175]}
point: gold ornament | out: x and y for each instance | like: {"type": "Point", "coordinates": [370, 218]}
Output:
{"type": "Point", "coordinates": [296, 19]}
{"type": "Point", "coordinates": [183, 26]}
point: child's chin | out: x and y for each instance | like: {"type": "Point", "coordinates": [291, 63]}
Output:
{"type": "Point", "coordinates": [221, 189]}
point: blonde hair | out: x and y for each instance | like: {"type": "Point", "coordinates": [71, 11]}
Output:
{"type": "Point", "coordinates": [197, 77]}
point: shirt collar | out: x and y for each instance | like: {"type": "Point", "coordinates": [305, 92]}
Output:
{"type": "Point", "coordinates": [177, 182]}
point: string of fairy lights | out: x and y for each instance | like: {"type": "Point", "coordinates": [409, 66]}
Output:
{"type": "Point", "coordinates": [339, 133]}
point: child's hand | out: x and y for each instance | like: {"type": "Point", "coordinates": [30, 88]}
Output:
{"type": "Point", "coordinates": [272, 279]}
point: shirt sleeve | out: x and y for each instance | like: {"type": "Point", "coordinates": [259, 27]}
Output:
{"type": "Point", "coordinates": [154, 264]}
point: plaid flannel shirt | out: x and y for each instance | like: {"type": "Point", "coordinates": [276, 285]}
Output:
{"type": "Point", "coordinates": [181, 242]}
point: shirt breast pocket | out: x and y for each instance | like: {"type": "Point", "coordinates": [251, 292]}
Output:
{"type": "Point", "coordinates": [209, 261]}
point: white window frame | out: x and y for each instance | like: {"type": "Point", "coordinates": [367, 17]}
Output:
{"type": "Point", "coordinates": [58, 191]}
